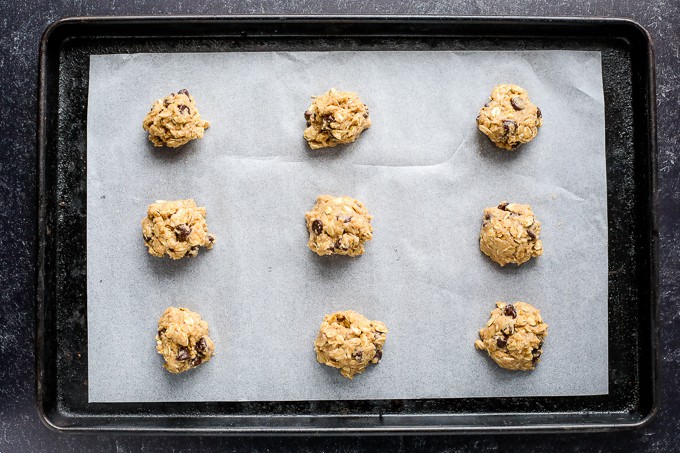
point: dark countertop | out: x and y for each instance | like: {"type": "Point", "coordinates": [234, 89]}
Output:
{"type": "Point", "coordinates": [21, 26]}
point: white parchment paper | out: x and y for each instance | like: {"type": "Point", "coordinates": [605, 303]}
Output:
{"type": "Point", "coordinates": [423, 170]}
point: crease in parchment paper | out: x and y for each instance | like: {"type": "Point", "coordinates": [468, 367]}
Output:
{"type": "Point", "coordinates": [423, 170]}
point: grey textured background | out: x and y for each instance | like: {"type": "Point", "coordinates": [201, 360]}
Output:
{"type": "Point", "coordinates": [425, 178]}
{"type": "Point", "coordinates": [21, 24]}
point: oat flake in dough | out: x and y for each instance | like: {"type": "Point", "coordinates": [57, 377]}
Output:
{"type": "Point", "coordinates": [338, 226]}
{"type": "Point", "coordinates": [182, 339]}
{"type": "Point", "coordinates": [509, 119]}
{"type": "Point", "coordinates": [514, 336]}
{"type": "Point", "coordinates": [350, 342]}
{"type": "Point", "coordinates": [174, 121]}
{"type": "Point", "coordinates": [176, 228]}
{"type": "Point", "coordinates": [510, 234]}
{"type": "Point", "coordinates": [335, 118]}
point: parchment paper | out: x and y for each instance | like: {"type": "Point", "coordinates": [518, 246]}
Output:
{"type": "Point", "coordinates": [423, 170]}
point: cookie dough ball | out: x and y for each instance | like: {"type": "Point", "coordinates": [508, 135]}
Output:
{"type": "Point", "coordinates": [513, 336]}
{"type": "Point", "coordinates": [183, 340]}
{"type": "Point", "coordinates": [338, 226]}
{"type": "Point", "coordinates": [174, 121]}
{"type": "Point", "coordinates": [335, 118]}
{"type": "Point", "coordinates": [176, 228]}
{"type": "Point", "coordinates": [349, 341]}
{"type": "Point", "coordinates": [510, 234]}
{"type": "Point", "coordinates": [509, 118]}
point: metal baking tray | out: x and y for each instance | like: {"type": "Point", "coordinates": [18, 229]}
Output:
{"type": "Point", "coordinates": [61, 314]}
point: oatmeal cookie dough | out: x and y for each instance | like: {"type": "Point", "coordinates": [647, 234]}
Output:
{"type": "Point", "coordinates": [183, 340]}
{"type": "Point", "coordinates": [338, 226]}
{"type": "Point", "coordinates": [513, 336]}
{"type": "Point", "coordinates": [174, 121]}
{"type": "Point", "coordinates": [335, 118]}
{"type": "Point", "coordinates": [176, 228]}
{"type": "Point", "coordinates": [510, 234]}
{"type": "Point", "coordinates": [509, 119]}
{"type": "Point", "coordinates": [349, 341]}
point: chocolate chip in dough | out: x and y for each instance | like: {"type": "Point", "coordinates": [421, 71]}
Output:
{"type": "Point", "coordinates": [518, 103]}
{"type": "Point", "coordinates": [182, 232]}
{"type": "Point", "coordinates": [201, 345]}
{"type": "Point", "coordinates": [509, 310]}
{"type": "Point", "coordinates": [183, 354]}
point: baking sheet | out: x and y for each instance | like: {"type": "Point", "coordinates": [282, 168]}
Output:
{"type": "Point", "coordinates": [424, 172]}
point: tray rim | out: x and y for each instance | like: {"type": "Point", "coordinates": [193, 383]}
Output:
{"type": "Point", "coordinates": [562, 21]}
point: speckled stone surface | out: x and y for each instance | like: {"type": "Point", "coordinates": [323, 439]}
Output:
{"type": "Point", "coordinates": [21, 24]}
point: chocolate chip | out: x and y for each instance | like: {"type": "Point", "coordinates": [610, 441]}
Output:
{"type": "Point", "coordinates": [531, 234]}
{"type": "Point", "coordinates": [503, 205]}
{"type": "Point", "coordinates": [378, 354]}
{"type": "Point", "coordinates": [317, 226]}
{"type": "Point", "coordinates": [358, 356]}
{"type": "Point", "coordinates": [183, 354]}
{"type": "Point", "coordinates": [308, 115]}
{"type": "Point", "coordinates": [327, 120]}
{"type": "Point", "coordinates": [501, 342]}
{"type": "Point", "coordinates": [183, 107]}
{"type": "Point", "coordinates": [348, 219]}
{"type": "Point", "coordinates": [184, 92]}
{"type": "Point", "coordinates": [197, 361]}
{"type": "Point", "coordinates": [509, 126]}
{"type": "Point", "coordinates": [517, 103]}
{"type": "Point", "coordinates": [538, 113]}
{"type": "Point", "coordinates": [182, 232]}
{"type": "Point", "coordinates": [509, 310]}
{"type": "Point", "coordinates": [201, 345]}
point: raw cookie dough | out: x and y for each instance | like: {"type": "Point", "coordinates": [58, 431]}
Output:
{"type": "Point", "coordinates": [338, 226]}
{"type": "Point", "coordinates": [174, 121]}
{"type": "Point", "coordinates": [177, 228]}
{"type": "Point", "coordinates": [510, 234]}
{"type": "Point", "coordinates": [183, 340]}
{"type": "Point", "coordinates": [509, 118]}
{"type": "Point", "coordinates": [513, 336]}
{"type": "Point", "coordinates": [349, 341]}
{"type": "Point", "coordinates": [335, 118]}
